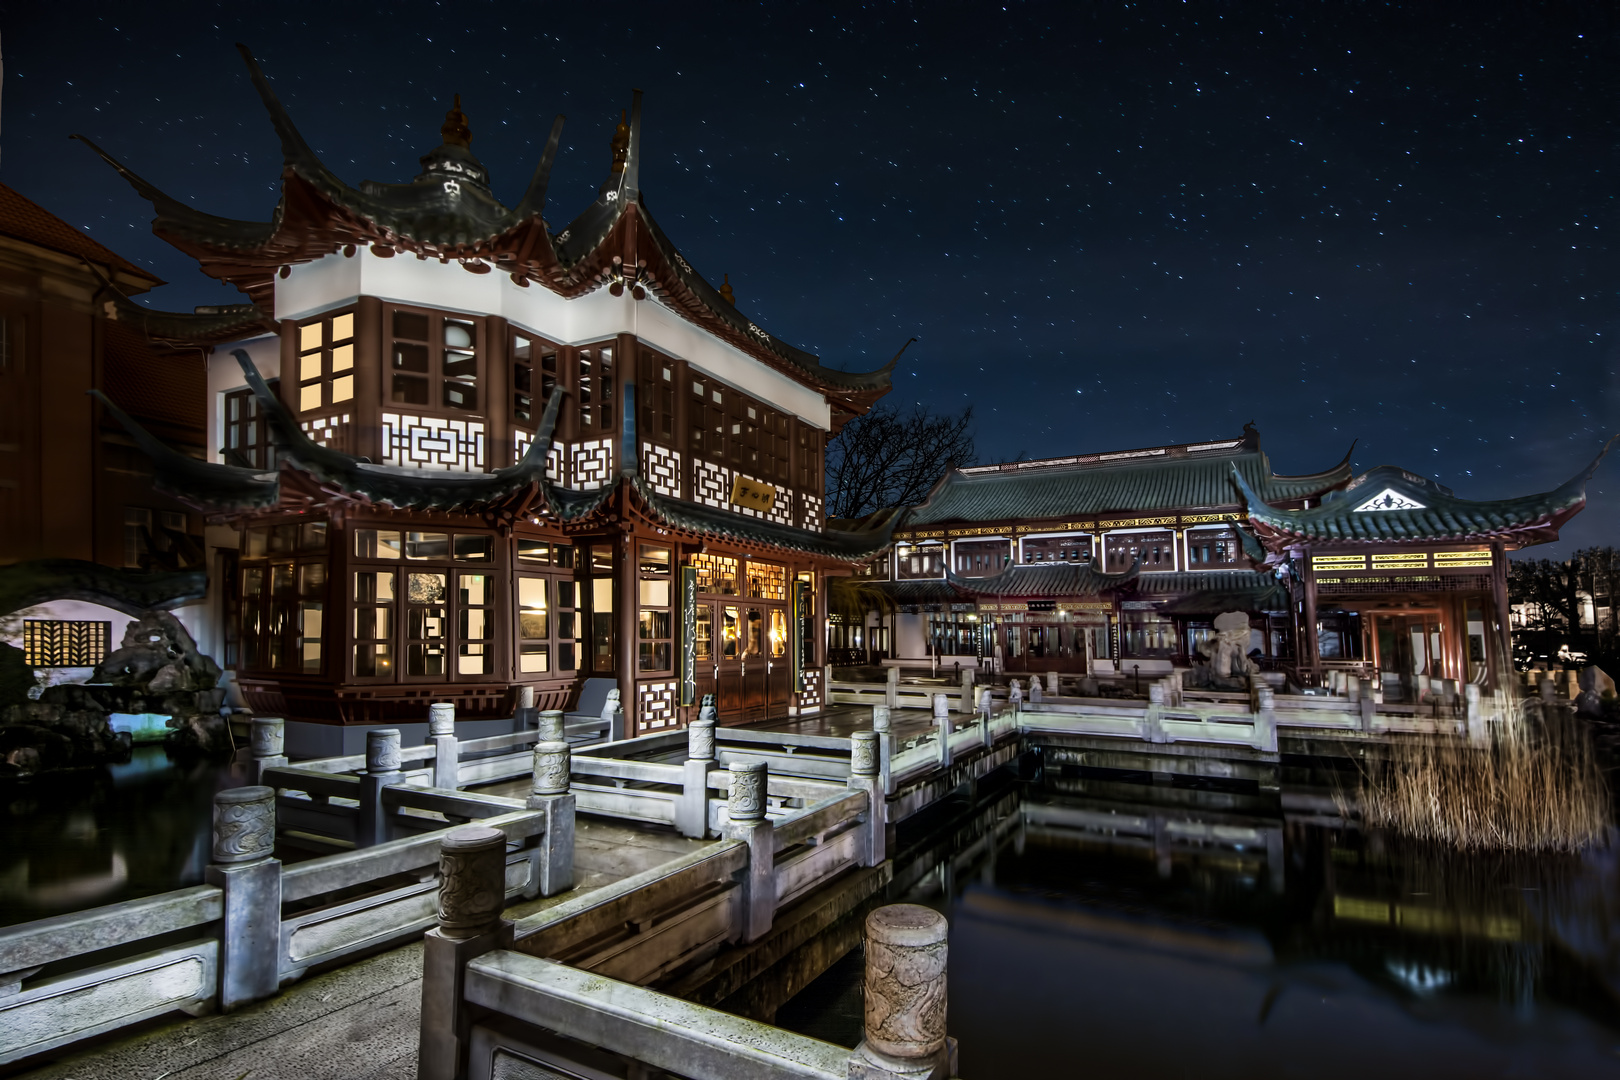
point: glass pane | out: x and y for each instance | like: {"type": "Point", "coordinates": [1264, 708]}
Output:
{"type": "Point", "coordinates": [565, 594]}
{"type": "Point", "coordinates": [474, 548]}
{"type": "Point", "coordinates": [376, 544]}
{"type": "Point", "coordinates": [535, 551]}
{"type": "Point", "coordinates": [410, 358]}
{"type": "Point", "coordinates": [373, 658]}
{"type": "Point", "coordinates": [425, 659]}
{"type": "Point", "coordinates": [566, 625]}
{"type": "Point", "coordinates": [407, 325]}
{"type": "Point", "coordinates": [343, 327]}
{"type": "Point", "coordinates": [778, 632]}
{"type": "Point", "coordinates": [602, 595]}
{"type": "Point", "coordinates": [309, 397]}
{"type": "Point", "coordinates": [728, 633]}
{"type": "Point", "coordinates": [475, 659]}
{"type": "Point", "coordinates": [309, 336]}
{"type": "Point", "coordinates": [283, 538]}
{"type": "Point", "coordinates": [655, 624]}
{"type": "Point", "coordinates": [533, 625]}
{"type": "Point", "coordinates": [563, 555]}
{"type": "Point", "coordinates": [426, 589]}
{"type": "Point", "coordinates": [254, 543]}
{"type": "Point", "coordinates": [565, 656]}
{"type": "Point", "coordinates": [474, 588]}
{"type": "Point", "coordinates": [342, 388]}
{"type": "Point", "coordinates": [426, 545]}
{"type": "Point", "coordinates": [654, 560]}
{"type": "Point", "coordinates": [312, 536]}
{"type": "Point", "coordinates": [602, 643]}
{"type": "Point", "coordinates": [601, 558]}
{"type": "Point", "coordinates": [703, 648]}
{"type": "Point", "coordinates": [281, 579]}
{"type": "Point", "coordinates": [312, 580]}
{"type": "Point", "coordinates": [409, 390]}
{"type": "Point", "coordinates": [534, 658]}
{"type": "Point", "coordinates": [373, 622]}
{"type": "Point", "coordinates": [252, 581]}
{"type": "Point", "coordinates": [309, 367]}
{"type": "Point", "coordinates": [427, 623]}
{"type": "Point", "coordinates": [457, 335]}
{"type": "Point", "coordinates": [310, 618]}
{"type": "Point", "coordinates": [654, 656]}
{"type": "Point", "coordinates": [460, 395]}
{"type": "Point", "coordinates": [655, 594]}
{"type": "Point", "coordinates": [475, 624]}
{"type": "Point", "coordinates": [756, 630]}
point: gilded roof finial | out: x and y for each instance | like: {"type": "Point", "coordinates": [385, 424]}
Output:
{"type": "Point", "coordinates": [725, 291]}
{"type": "Point", "coordinates": [455, 131]}
{"type": "Point", "coordinates": [621, 143]}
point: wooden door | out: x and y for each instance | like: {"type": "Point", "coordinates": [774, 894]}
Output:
{"type": "Point", "coordinates": [778, 664]}
{"type": "Point", "coordinates": [705, 651]}
{"type": "Point", "coordinates": [730, 671]}
{"type": "Point", "coordinates": [755, 671]}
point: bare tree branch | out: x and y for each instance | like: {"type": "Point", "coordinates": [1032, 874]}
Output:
{"type": "Point", "coordinates": [891, 458]}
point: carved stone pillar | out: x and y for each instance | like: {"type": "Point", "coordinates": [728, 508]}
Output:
{"type": "Point", "coordinates": [472, 880]}
{"type": "Point", "coordinates": [747, 795]}
{"type": "Point", "coordinates": [551, 726]}
{"type": "Point", "coordinates": [904, 996]}
{"type": "Point", "coordinates": [551, 768]}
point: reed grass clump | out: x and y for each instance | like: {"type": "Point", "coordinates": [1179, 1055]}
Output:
{"type": "Point", "coordinates": [1534, 784]}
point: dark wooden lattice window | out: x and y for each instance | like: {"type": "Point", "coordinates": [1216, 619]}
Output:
{"type": "Point", "coordinates": [326, 362]}
{"type": "Point", "coordinates": [247, 439]}
{"type": "Point", "coordinates": [65, 642]}
{"type": "Point", "coordinates": [657, 397]}
{"type": "Point", "coordinates": [430, 350]}
{"type": "Point", "coordinates": [706, 420]}
{"type": "Point", "coordinates": [595, 390]}
{"type": "Point", "coordinates": [809, 459]}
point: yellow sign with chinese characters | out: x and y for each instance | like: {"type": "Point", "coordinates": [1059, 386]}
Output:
{"type": "Point", "coordinates": [1405, 558]}
{"type": "Point", "coordinates": [1462, 558]}
{"type": "Point", "coordinates": [752, 494]}
{"type": "Point", "coordinates": [1338, 562]}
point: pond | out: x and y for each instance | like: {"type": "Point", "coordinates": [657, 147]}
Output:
{"type": "Point", "coordinates": [1120, 930]}
{"type": "Point", "coordinates": [79, 839]}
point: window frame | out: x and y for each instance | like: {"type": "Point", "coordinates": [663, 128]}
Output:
{"type": "Point", "coordinates": [335, 360]}
{"type": "Point", "coordinates": [435, 376]}
{"type": "Point", "coordinates": [563, 615]}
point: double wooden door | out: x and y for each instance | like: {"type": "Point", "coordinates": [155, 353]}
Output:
{"type": "Point", "coordinates": [742, 658]}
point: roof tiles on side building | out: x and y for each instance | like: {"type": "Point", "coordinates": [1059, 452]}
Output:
{"type": "Point", "coordinates": [23, 219]}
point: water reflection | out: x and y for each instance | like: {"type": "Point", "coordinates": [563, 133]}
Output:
{"type": "Point", "coordinates": [1125, 930]}
{"type": "Point", "coordinates": [80, 839]}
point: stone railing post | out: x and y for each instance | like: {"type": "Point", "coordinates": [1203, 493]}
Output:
{"type": "Point", "coordinates": [446, 747]}
{"type": "Point", "coordinates": [865, 773]}
{"type": "Point", "coordinates": [1474, 714]}
{"type": "Point", "coordinates": [1052, 683]}
{"type": "Point", "coordinates": [267, 743]}
{"type": "Point", "coordinates": [1367, 703]}
{"type": "Point", "coordinates": [244, 866]}
{"type": "Point", "coordinates": [904, 994]}
{"type": "Point", "coordinates": [967, 691]}
{"type": "Point", "coordinates": [1265, 719]}
{"type": "Point", "coordinates": [745, 811]}
{"type": "Point", "coordinates": [613, 715]}
{"type": "Point", "coordinates": [692, 812]}
{"type": "Point", "coordinates": [550, 794]}
{"type": "Point", "coordinates": [1037, 692]}
{"type": "Point", "coordinates": [942, 721]}
{"type": "Point", "coordinates": [891, 692]}
{"type": "Point", "coordinates": [524, 714]}
{"type": "Point", "coordinates": [550, 726]}
{"type": "Point", "coordinates": [1153, 715]}
{"type": "Point", "coordinates": [882, 724]}
{"type": "Point", "coordinates": [1545, 687]}
{"type": "Point", "coordinates": [382, 770]}
{"type": "Point", "coordinates": [472, 894]}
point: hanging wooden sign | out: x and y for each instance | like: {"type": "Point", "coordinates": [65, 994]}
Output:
{"type": "Point", "coordinates": [752, 494]}
{"type": "Point", "coordinates": [689, 604]}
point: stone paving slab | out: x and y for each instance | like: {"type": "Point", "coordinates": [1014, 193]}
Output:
{"type": "Point", "coordinates": [356, 1022]}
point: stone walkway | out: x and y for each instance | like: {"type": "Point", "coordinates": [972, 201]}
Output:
{"type": "Point", "coordinates": [356, 1022]}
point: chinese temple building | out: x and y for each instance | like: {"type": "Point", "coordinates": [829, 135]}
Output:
{"type": "Point", "coordinates": [474, 453]}
{"type": "Point", "coordinates": [1121, 561]}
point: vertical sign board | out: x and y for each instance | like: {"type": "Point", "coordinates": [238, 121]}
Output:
{"type": "Point", "coordinates": [803, 599]}
{"type": "Point", "coordinates": [688, 635]}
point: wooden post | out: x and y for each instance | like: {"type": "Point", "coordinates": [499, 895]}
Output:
{"type": "Point", "coordinates": [1499, 593]}
{"type": "Point", "coordinates": [628, 654]}
{"type": "Point", "coordinates": [1307, 637]}
{"type": "Point", "coordinates": [472, 893]}
{"type": "Point", "coordinates": [245, 868]}
{"type": "Point", "coordinates": [500, 449]}
{"type": "Point", "coordinates": [370, 346]}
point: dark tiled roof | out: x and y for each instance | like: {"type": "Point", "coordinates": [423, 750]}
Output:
{"type": "Point", "coordinates": [1419, 509]}
{"type": "Point", "coordinates": [23, 219]}
{"type": "Point", "coordinates": [1179, 479]}
{"type": "Point", "coordinates": [1210, 592]}
{"type": "Point", "coordinates": [846, 545]}
{"type": "Point", "coordinates": [160, 387]}
{"type": "Point", "coordinates": [919, 592]}
{"type": "Point", "coordinates": [25, 584]}
{"type": "Point", "coordinates": [1043, 580]}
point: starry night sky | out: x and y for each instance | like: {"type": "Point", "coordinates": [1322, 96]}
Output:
{"type": "Point", "coordinates": [1109, 226]}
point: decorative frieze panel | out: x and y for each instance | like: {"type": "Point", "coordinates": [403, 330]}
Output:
{"type": "Point", "coordinates": [662, 468]}
{"type": "Point", "coordinates": [328, 431]}
{"type": "Point", "coordinates": [655, 706]}
{"type": "Point", "coordinates": [431, 442]}
{"type": "Point", "coordinates": [810, 689]}
{"type": "Point", "coordinates": [590, 464]}
{"type": "Point", "coordinates": [813, 509]}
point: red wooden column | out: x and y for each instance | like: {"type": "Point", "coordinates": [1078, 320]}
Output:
{"type": "Point", "coordinates": [497, 394]}
{"type": "Point", "coordinates": [1307, 637]}
{"type": "Point", "coordinates": [1499, 593]}
{"type": "Point", "coordinates": [629, 581]}
{"type": "Point", "coordinates": [369, 335]}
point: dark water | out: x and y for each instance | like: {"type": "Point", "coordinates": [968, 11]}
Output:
{"type": "Point", "coordinates": [1115, 930]}
{"type": "Point", "coordinates": [80, 839]}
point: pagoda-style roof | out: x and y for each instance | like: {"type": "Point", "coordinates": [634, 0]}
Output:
{"type": "Point", "coordinates": [1153, 480]}
{"type": "Point", "coordinates": [310, 474]}
{"type": "Point", "coordinates": [1391, 505]}
{"type": "Point", "coordinates": [210, 325]}
{"type": "Point", "coordinates": [1043, 580]}
{"type": "Point", "coordinates": [449, 212]}
{"type": "Point", "coordinates": [1210, 592]}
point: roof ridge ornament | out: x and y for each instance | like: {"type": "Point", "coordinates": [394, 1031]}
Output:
{"type": "Point", "coordinates": [1389, 499]}
{"type": "Point", "coordinates": [455, 131]}
{"type": "Point", "coordinates": [620, 144]}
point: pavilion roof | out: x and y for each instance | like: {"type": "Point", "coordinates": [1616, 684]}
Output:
{"type": "Point", "coordinates": [1389, 504]}
{"type": "Point", "coordinates": [1043, 580]}
{"type": "Point", "coordinates": [449, 212]}
{"type": "Point", "coordinates": [1165, 478]}
{"type": "Point", "coordinates": [1214, 591]}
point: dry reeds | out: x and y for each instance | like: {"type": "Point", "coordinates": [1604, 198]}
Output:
{"type": "Point", "coordinates": [1533, 785]}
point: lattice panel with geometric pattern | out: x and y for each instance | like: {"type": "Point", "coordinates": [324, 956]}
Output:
{"type": "Point", "coordinates": [809, 689]}
{"type": "Point", "coordinates": [812, 518]}
{"type": "Point", "coordinates": [328, 431]}
{"type": "Point", "coordinates": [781, 510]}
{"type": "Point", "coordinates": [65, 642]}
{"type": "Point", "coordinates": [655, 706]}
{"type": "Point", "coordinates": [591, 464]}
{"type": "Point", "coordinates": [711, 483]}
{"type": "Point", "coordinates": [556, 468]}
{"type": "Point", "coordinates": [431, 442]}
{"type": "Point", "coordinates": [662, 468]}
{"type": "Point", "coordinates": [520, 445]}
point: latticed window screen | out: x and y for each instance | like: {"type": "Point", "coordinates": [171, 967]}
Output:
{"type": "Point", "coordinates": [65, 642]}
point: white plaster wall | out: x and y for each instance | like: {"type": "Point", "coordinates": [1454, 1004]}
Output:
{"type": "Point", "coordinates": [910, 636]}
{"type": "Point", "coordinates": [334, 281]}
